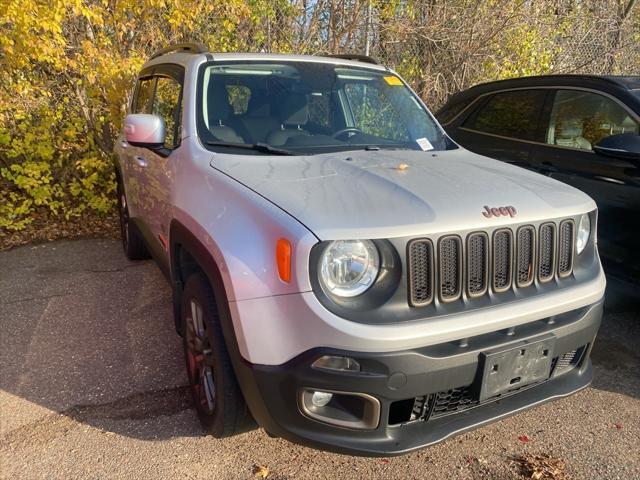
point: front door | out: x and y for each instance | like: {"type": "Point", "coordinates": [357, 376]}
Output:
{"type": "Point", "coordinates": [504, 125]}
{"type": "Point", "coordinates": [578, 120]}
{"type": "Point", "coordinates": [160, 165]}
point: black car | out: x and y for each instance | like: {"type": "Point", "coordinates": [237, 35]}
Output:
{"type": "Point", "coordinates": [580, 129]}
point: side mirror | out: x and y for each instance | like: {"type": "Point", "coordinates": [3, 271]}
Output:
{"type": "Point", "coordinates": [144, 130]}
{"type": "Point", "coordinates": [625, 146]}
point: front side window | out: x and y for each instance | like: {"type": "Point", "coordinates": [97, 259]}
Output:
{"type": "Point", "coordinates": [144, 95]}
{"type": "Point", "coordinates": [511, 114]}
{"type": "Point", "coordinates": [581, 119]}
{"type": "Point", "coordinates": [310, 108]}
{"type": "Point", "coordinates": [166, 104]}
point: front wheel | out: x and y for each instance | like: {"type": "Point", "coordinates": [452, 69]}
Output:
{"type": "Point", "coordinates": [132, 243]}
{"type": "Point", "coordinates": [216, 394]}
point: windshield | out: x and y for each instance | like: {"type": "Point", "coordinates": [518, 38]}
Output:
{"type": "Point", "coordinates": [308, 108]}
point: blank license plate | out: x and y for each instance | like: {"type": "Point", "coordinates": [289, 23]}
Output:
{"type": "Point", "coordinates": [517, 366]}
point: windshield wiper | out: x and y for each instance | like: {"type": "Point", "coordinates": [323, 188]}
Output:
{"type": "Point", "coordinates": [258, 147]}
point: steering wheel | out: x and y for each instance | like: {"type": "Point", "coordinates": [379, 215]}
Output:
{"type": "Point", "coordinates": [346, 130]}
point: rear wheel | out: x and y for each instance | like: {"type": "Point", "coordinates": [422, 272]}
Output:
{"type": "Point", "coordinates": [132, 243]}
{"type": "Point", "coordinates": [216, 394]}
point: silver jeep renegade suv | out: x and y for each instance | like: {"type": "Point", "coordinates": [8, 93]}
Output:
{"type": "Point", "coordinates": [343, 274]}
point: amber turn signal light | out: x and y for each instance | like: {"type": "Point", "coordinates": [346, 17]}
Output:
{"type": "Point", "coordinates": [283, 259]}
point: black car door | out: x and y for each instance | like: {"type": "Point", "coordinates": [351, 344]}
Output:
{"type": "Point", "coordinates": [577, 120]}
{"type": "Point", "coordinates": [504, 125]}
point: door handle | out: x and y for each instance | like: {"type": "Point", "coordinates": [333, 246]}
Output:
{"type": "Point", "coordinates": [140, 161]}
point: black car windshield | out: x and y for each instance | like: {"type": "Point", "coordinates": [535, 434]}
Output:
{"type": "Point", "coordinates": [309, 107]}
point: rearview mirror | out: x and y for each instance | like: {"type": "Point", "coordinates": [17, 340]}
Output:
{"type": "Point", "coordinates": [625, 146]}
{"type": "Point", "coordinates": [144, 130]}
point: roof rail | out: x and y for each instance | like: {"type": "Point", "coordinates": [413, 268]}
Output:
{"type": "Point", "coordinates": [181, 47]}
{"type": "Point", "coordinates": [355, 56]}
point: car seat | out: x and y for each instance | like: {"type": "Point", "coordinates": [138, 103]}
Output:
{"type": "Point", "coordinates": [218, 111]}
{"type": "Point", "coordinates": [293, 115]}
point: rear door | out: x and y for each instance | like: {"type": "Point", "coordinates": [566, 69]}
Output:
{"type": "Point", "coordinates": [504, 125]}
{"type": "Point", "coordinates": [577, 120]}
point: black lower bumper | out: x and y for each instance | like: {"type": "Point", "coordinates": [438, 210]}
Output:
{"type": "Point", "coordinates": [443, 379]}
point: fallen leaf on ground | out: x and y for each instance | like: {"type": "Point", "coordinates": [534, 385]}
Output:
{"type": "Point", "coordinates": [523, 438]}
{"type": "Point", "coordinates": [260, 471]}
{"type": "Point", "coordinates": [618, 426]}
{"type": "Point", "coordinates": [542, 467]}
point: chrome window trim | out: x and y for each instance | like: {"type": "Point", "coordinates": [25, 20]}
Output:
{"type": "Point", "coordinates": [509, 231]}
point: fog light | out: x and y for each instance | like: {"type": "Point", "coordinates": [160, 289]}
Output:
{"type": "Point", "coordinates": [320, 399]}
{"type": "Point", "coordinates": [331, 362]}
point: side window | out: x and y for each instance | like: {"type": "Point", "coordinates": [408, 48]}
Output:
{"type": "Point", "coordinates": [239, 96]}
{"type": "Point", "coordinates": [144, 94]}
{"type": "Point", "coordinates": [512, 114]}
{"type": "Point", "coordinates": [449, 112]}
{"type": "Point", "coordinates": [166, 104]}
{"type": "Point", "coordinates": [581, 119]}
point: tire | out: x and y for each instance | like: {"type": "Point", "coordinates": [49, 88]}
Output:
{"type": "Point", "coordinates": [217, 397]}
{"type": "Point", "coordinates": [132, 242]}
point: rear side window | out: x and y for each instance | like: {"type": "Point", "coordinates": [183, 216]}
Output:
{"type": "Point", "coordinates": [581, 119]}
{"type": "Point", "coordinates": [449, 112]}
{"type": "Point", "coordinates": [512, 114]}
{"type": "Point", "coordinates": [144, 94]}
{"type": "Point", "coordinates": [166, 104]}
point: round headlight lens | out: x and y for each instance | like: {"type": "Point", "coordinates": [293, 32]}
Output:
{"type": "Point", "coordinates": [584, 230]}
{"type": "Point", "coordinates": [349, 267]}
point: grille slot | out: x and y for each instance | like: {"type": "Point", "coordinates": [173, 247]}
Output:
{"type": "Point", "coordinates": [525, 255]}
{"type": "Point", "coordinates": [502, 254]}
{"type": "Point", "coordinates": [477, 263]}
{"type": "Point", "coordinates": [546, 252]}
{"type": "Point", "coordinates": [450, 258]}
{"type": "Point", "coordinates": [420, 272]}
{"type": "Point", "coordinates": [565, 248]}
{"type": "Point", "coordinates": [452, 401]}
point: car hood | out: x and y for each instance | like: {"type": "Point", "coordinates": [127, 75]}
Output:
{"type": "Point", "coordinates": [393, 193]}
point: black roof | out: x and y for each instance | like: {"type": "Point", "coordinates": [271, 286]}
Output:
{"type": "Point", "coordinates": [628, 82]}
{"type": "Point", "coordinates": [598, 82]}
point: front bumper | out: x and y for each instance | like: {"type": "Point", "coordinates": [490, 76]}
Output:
{"type": "Point", "coordinates": [443, 378]}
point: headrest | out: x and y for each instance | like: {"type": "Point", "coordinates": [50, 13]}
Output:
{"type": "Point", "coordinates": [294, 109]}
{"type": "Point", "coordinates": [218, 106]}
{"type": "Point", "coordinates": [569, 129]}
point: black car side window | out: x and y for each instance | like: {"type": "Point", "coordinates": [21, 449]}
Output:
{"type": "Point", "coordinates": [144, 94]}
{"type": "Point", "coordinates": [166, 104]}
{"type": "Point", "coordinates": [512, 114]}
{"type": "Point", "coordinates": [581, 119]}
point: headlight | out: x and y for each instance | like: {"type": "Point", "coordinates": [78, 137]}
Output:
{"type": "Point", "coordinates": [349, 267]}
{"type": "Point", "coordinates": [584, 230]}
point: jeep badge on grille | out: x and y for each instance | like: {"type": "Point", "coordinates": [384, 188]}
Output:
{"type": "Point", "coordinates": [499, 211]}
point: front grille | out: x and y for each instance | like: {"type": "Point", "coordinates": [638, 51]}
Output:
{"type": "Point", "coordinates": [546, 252]}
{"type": "Point", "coordinates": [420, 258]}
{"type": "Point", "coordinates": [502, 254]}
{"type": "Point", "coordinates": [525, 256]}
{"type": "Point", "coordinates": [565, 248]}
{"type": "Point", "coordinates": [454, 400]}
{"type": "Point", "coordinates": [477, 263]}
{"type": "Point", "coordinates": [450, 251]}
{"type": "Point", "coordinates": [482, 262]}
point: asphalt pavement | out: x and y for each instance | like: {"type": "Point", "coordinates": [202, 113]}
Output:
{"type": "Point", "coordinates": [93, 385]}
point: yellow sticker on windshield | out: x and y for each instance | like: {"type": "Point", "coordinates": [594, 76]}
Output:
{"type": "Point", "coordinates": [393, 81]}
